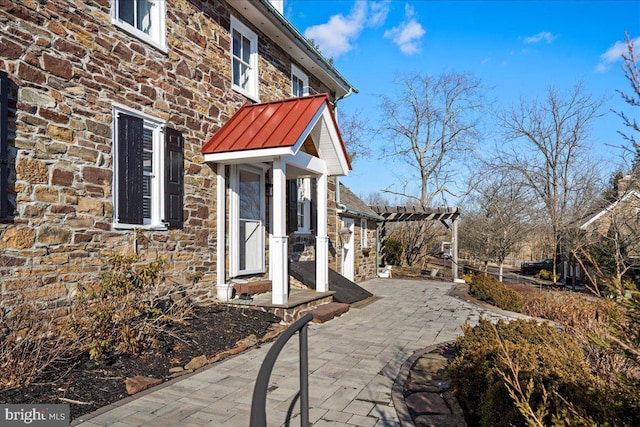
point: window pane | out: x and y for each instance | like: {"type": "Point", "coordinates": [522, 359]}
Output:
{"type": "Point", "coordinates": [144, 21]}
{"type": "Point", "coordinates": [146, 198]}
{"type": "Point", "coordinates": [246, 49]}
{"type": "Point", "coordinates": [236, 44]}
{"type": "Point", "coordinates": [244, 77]}
{"type": "Point", "coordinates": [126, 11]}
{"type": "Point", "coordinates": [249, 195]}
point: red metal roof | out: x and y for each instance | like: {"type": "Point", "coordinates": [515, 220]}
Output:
{"type": "Point", "coordinates": [268, 125]}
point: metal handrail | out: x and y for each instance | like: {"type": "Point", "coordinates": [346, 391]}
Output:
{"type": "Point", "coordinates": [259, 400]}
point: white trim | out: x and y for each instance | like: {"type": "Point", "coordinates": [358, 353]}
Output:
{"type": "Point", "coordinates": [238, 157]}
{"type": "Point", "coordinates": [312, 123]}
{"type": "Point", "coordinates": [306, 161]}
{"type": "Point", "coordinates": [234, 222]}
{"type": "Point", "coordinates": [158, 40]}
{"type": "Point", "coordinates": [253, 91]}
{"type": "Point", "coordinates": [220, 224]}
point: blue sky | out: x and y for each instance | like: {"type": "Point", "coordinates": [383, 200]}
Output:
{"type": "Point", "coordinates": [517, 48]}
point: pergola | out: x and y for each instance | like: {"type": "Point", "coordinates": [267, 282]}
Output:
{"type": "Point", "coordinates": [447, 216]}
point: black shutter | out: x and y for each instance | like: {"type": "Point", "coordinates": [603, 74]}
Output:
{"type": "Point", "coordinates": [173, 177]}
{"type": "Point", "coordinates": [292, 206]}
{"type": "Point", "coordinates": [129, 169]}
{"type": "Point", "coordinates": [4, 142]}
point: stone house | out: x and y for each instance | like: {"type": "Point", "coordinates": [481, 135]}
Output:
{"type": "Point", "coordinates": [141, 120]}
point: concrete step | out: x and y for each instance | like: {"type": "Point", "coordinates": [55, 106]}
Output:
{"type": "Point", "coordinates": [326, 312]}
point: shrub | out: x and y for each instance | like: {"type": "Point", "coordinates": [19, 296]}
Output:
{"type": "Point", "coordinates": [393, 251]}
{"type": "Point", "coordinates": [548, 275]}
{"type": "Point", "coordinates": [526, 373]}
{"type": "Point", "coordinates": [33, 338]}
{"type": "Point", "coordinates": [489, 289]}
{"type": "Point", "coordinates": [126, 310]}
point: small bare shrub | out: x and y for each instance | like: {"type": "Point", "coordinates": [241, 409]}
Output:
{"type": "Point", "coordinates": [33, 339]}
{"type": "Point", "coordinates": [489, 289]}
{"type": "Point", "coordinates": [127, 309]}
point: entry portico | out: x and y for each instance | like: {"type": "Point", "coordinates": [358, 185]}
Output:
{"type": "Point", "coordinates": [259, 148]}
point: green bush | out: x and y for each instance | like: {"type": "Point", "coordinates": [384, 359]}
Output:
{"type": "Point", "coordinates": [525, 373]}
{"type": "Point", "coordinates": [489, 289]}
{"type": "Point", "coordinates": [548, 275]}
{"type": "Point", "coordinates": [393, 251]}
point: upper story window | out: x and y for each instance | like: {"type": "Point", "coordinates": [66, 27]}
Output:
{"type": "Point", "coordinates": [244, 57]}
{"type": "Point", "coordinates": [148, 172]}
{"type": "Point", "coordinates": [144, 19]}
{"type": "Point", "coordinates": [299, 82]}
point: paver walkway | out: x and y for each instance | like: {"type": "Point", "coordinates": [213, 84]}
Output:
{"type": "Point", "coordinates": [353, 362]}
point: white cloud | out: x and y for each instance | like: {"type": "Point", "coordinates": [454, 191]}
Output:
{"type": "Point", "coordinates": [543, 36]}
{"type": "Point", "coordinates": [408, 34]}
{"type": "Point", "coordinates": [614, 54]}
{"type": "Point", "coordinates": [338, 36]}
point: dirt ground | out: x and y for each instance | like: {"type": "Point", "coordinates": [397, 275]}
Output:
{"type": "Point", "coordinates": [88, 385]}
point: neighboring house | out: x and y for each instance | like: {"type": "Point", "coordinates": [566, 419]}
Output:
{"type": "Point", "coordinates": [615, 225]}
{"type": "Point", "coordinates": [357, 237]}
{"type": "Point", "coordinates": [206, 125]}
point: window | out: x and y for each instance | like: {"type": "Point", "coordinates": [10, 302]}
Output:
{"type": "Point", "coordinates": [299, 82]}
{"type": "Point", "coordinates": [144, 19]}
{"type": "Point", "coordinates": [148, 172]}
{"type": "Point", "coordinates": [301, 209]}
{"type": "Point", "coordinates": [364, 238]}
{"type": "Point", "coordinates": [244, 54]}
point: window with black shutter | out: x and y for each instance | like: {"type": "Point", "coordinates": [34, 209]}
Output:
{"type": "Point", "coordinates": [292, 206]}
{"type": "Point", "coordinates": [149, 175]}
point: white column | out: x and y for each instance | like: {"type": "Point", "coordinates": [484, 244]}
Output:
{"type": "Point", "coordinates": [278, 242]}
{"type": "Point", "coordinates": [322, 241]}
{"type": "Point", "coordinates": [454, 249]}
{"type": "Point", "coordinates": [220, 224]}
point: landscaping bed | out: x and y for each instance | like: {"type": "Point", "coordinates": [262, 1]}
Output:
{"type": "Point", "coordinates": [214, 331]}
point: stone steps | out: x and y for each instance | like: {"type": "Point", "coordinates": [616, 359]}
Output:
{"type": "Point", "coordinates": [325, 312]}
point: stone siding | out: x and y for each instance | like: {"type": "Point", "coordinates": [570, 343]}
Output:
{"type": "Point", "coordinates": [67, 65]}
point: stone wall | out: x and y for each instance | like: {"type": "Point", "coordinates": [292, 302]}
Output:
{"type": "Point", "coordinates": [67, 65]}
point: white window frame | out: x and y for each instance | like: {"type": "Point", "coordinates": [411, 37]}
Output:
{"type": "Point", "coordinates": [157, 127]}
{"type": "Point", "coordinates": [300, 75]}
{"type": "Point", "coordinates": [364, 236]}
{"type": "Point", "coordinates": [252, 91]}
{"type": "Point", "coordinates": [158, 38]}
{"type": "Point", "coordinates": [303, 207]}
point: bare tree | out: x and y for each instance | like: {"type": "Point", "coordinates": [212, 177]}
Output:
{"type": "Point", "coordinates": [354, 128]}
{"type": "Point", "coordinates": [632, 73]}
{"type": "Point", "coordinates": [549, 150]}
{"type": "Point", "coordinates": [431, 122]}
{"type": "Point", "coordinates": [500, 219]}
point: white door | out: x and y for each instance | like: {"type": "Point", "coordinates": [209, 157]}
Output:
{"type": "Point", "coordinates": [247, 240]}
{"type": "Point", "coordinates": [348, 248]}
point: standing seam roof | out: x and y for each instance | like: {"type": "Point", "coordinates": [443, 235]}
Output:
{"type": "Point", "coordinates": [266, 125]}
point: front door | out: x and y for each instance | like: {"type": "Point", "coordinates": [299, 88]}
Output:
{"type": "Point", "coordinates": [247, 242]}
{"type": "Point", "coordinates": [348, 248]}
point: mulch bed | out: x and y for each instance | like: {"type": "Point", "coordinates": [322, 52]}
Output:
{"type": "Point", "coordinates": [211, 331]}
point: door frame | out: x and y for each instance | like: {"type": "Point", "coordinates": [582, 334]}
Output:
{"type": "Point", "coordinates": [234, 220]}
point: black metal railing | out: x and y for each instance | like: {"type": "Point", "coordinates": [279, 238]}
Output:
{"type": "Point", "coordinates": [259, 400]}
